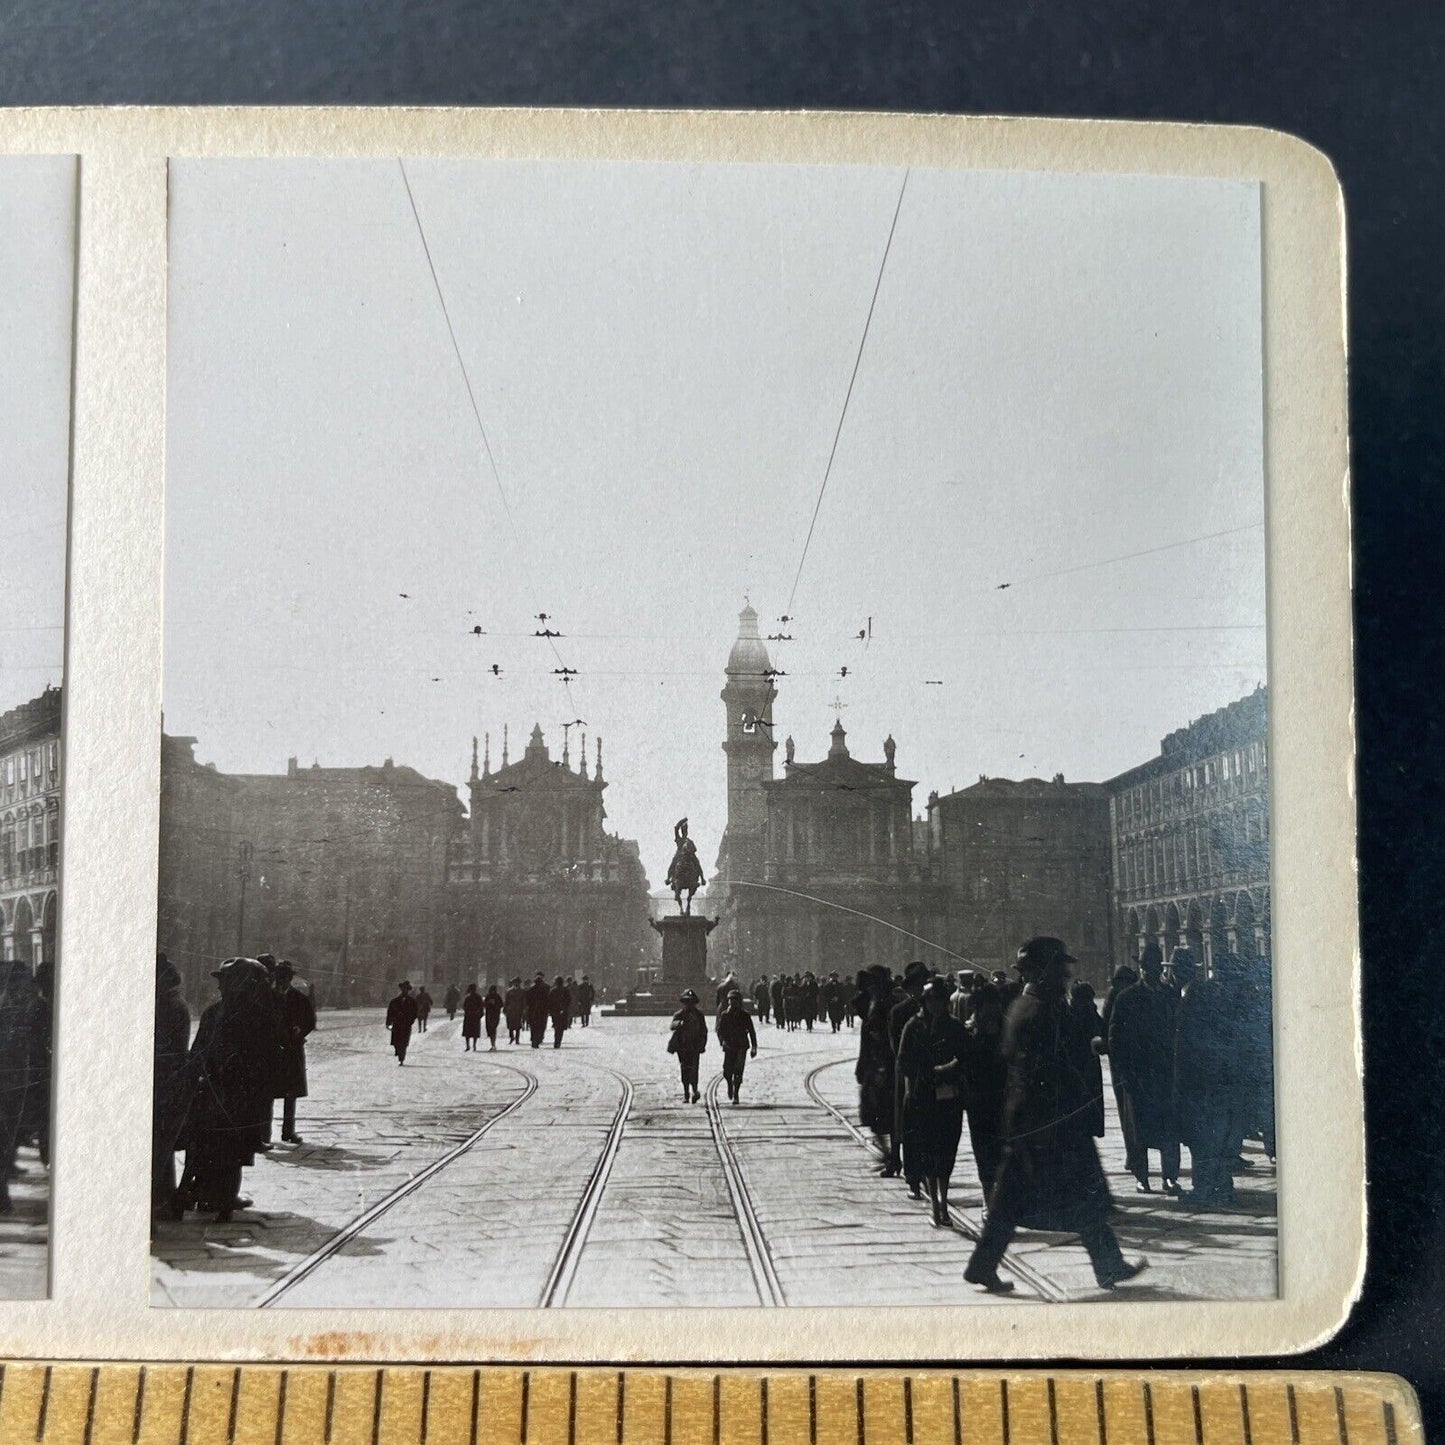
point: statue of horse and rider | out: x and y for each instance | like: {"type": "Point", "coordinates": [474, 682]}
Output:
{"type": "Point", "coordinates": [684, 873]}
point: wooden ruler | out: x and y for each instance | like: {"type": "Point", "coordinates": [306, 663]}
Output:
{"type": "Point", "coordinates": [114, 1404]}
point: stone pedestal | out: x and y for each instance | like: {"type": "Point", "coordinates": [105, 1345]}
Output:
{"type": "Point", "coordinates": [684, 952]}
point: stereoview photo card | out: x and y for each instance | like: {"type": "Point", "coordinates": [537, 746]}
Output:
{"type": "Point", "coordinates": [700, 715]}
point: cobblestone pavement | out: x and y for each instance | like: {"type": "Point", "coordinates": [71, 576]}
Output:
{"type": "Point", "coordinates": [535, 1196]}
{"type": "Point", "coordinates": [24, 1233]}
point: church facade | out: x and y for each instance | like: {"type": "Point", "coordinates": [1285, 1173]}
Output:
{"type": "Point", "coordinates": [821, 869]}
{"type": "Point", "coordinates": [536, 882]}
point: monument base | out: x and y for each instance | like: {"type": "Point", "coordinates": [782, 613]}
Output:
{"type": "Point", "coordinates": [684, 966]}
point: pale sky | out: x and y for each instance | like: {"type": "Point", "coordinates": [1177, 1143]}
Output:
{"type": "Point", "coordinates": [1060, 371]}
{"type": "Point", "coordinates": [37, 265]}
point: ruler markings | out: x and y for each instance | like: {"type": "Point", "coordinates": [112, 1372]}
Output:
{"type": "Point", "coordinates": [1340, 1421]}
{"type": "Point", "coordinates": [1293, 1414]}
{"type": "Point", "coordinates": [1391, 1437]}
{"type": "Point", "coordinates": [376, 1408]}
{"type": "Point", "coordinates": [186, 1397]}
{"type": "Point", "coordinates": [1198, 1415]}
{"type": "Point", "coordinates": [1099, 1408]}
{"type": "Point", "coordinates": [1053, 1413]}
{"type": "Point", "coordinates": [44, 1411]}
{"type": "Point", "coordinates": [231, 1411]}
{"type": "Point", "coordinates": [425, 1405]}
{"type": "Point", "coordinates": [281, 1406]}
{"type": "Point", "coordinates": [138, 1419]}
{"type": "Point", "coordinates": [526, 1402]}
{"type": "Point", "coordinates": [763, 1406]}
{"type": "Point", "coordinates": [716, 1410]}
{"type": "Point", "coordinates": [330, 1406]}
{"type": "Point", "coordinates": [1003, 1407]}
{"type": "Point", "coordinates": [1244, 1414]}
{"type": "Point", "coordinates": [957, 1413]}
{"type": "Point", "coordinates": [90, 1404]}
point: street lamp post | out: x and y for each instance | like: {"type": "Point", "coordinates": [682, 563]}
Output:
{"type": "Point", "coordinates": [243, 872]}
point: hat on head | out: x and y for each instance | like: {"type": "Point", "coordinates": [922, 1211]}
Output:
{"type": "Point", "coordinates": [915, 972]}
{"type": "Point", "coordinates": [1040, 953]}
{"type": "Point", "coordinates": [880, 973]}
{"type": "Point", "coordinates": [286, 967]}
{"type": "Point", "coordinates": [1151, 956]}
{"type": "Point", "coordinates": [688, 996]}
{"type": "Point", "coordinates": [405, 985]}
{"type": "Point", "coordinates": [937, 988]}
{"type": "Point", "coordinates": [266, 960]}
{"type": "Point", "coordinates": [1183, 958]}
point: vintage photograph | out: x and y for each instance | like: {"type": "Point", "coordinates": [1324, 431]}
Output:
{"type": "Point", "coordinates": [716, 739]}
{"type": "Point", "coordinates": [37, 272]}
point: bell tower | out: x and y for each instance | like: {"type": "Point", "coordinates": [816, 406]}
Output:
{"type": "Point", "coordinates": [749, 745]}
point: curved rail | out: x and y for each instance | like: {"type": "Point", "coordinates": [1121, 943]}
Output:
{"type": "Point", "coordinates": [755, 1244]}
{"type": "Point", "coordinates": [338, 1241]}
{"type": "Point", "coordinates": [1041, 1285]}
{"type": "Point", "coordinates": [564, 1267]}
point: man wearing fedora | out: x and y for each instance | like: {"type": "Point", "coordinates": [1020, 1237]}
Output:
{"type": "Point", "coordinates": [915, 977]}
{"type": "Point", "coordinates": [1050, 1176]}
{"type": "Point", "coordinates": [400, 1016]}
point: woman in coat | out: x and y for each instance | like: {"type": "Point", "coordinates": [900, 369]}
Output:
{"type": "Point", "coordinates": [491, 1014]}
{"type": "Point", "coordinates": [689, 1042]}
{"type": "Point", "coordinates": [874, 1070]}
{"type": "Point", "coordinates": [514, 1006]}
{"type": "Point", "coordinates": [472, 1019]}
{"type": "Point", "coordinates": [233, 1064]}
{"type": "Point", "coordinates": [931, 1058]}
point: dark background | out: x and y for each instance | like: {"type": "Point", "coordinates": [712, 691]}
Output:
{"type": "Point", "coordinates": [1363, 83]}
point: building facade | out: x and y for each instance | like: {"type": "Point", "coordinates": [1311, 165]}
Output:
{"type": "Point", "coordinates": [537, 882]}
{"type": "Point", "coordinates": [1021, 858]}
{"type": "Point", "coordinates": [1189, 834]}
{"type": "Point", "coordinates": [30, 828]}
{"type": "Point", "coordinates": [820, 869]}
{"type": "Point", "coordinates": [341, 870]}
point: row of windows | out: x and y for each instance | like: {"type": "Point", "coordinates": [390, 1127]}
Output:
{"type": "Point", "coordinates": [17, 861]}
{"type": "Point", "coordinates": [1244, 764]}
{"type": "Point", "coordinates": [1237, 842]}
{"type": "Point", "coordinates": [40, 765]}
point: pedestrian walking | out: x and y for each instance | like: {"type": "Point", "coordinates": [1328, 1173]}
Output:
{"type": "Point", "coordinates": [1084, 1015]}
{"type": "Point", "coordinates": [1050, 1176]}
{"type": "Point", "coordinates": [423, 1008]}
{"type": "Point", "coordinates": [688, 1040]}
{"type": "Point", "coordinates": [986, 1073]}
{"type": "Point", "coordinates": [472, 1009]}
{"type": "Point", "coordinates": [452, 1001]}
{"type": "Point", "coordinates": [537, 1008]}
{"type": "Point", "coordinates": [41, 1032]}
{"type": "Point", "coordinates": [835, 1001]}
{"type": "Point", "coordinates": [492, 1015]}
{"type": "Point", "coordinates": [1123, 977]}
{"type": "Point", "coordinates": [875, 1067]}
{"type": "Point", "coordinates": [1205, 1060]}
{"type": "Point", "coordinates": [586, 997]}
{"type": "Point", "coordinates": [726, 985]}
{"type": "Point", "coordinates": [1141, 1058]}
{"type": "Point", "coordinates": [514, 1008]}
{"type": "Point", "coordinates": [778, 994]}
{"type": "Point", "coordinates": [763, 998]}
{"type": "Point", "coordinates": [559, 1010]}
{"type": "Point", "coordinates": [737, 1037]}
{"type": "Point", "coordinates": [931, 1061]}
{"type": "Point", "coordinates": [232, 1065]}
{"type": "Point", "coordinates": [400, 1016]}
{"type": "Point", "coordinates": [170, 1083]}
{"type": "Point", "coordinates": [298, 1022]}
{"type": "Point", "coordinates": [915, 977]}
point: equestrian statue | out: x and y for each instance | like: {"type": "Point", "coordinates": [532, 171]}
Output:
{"type": "Point", "coordinates": [684, 873]}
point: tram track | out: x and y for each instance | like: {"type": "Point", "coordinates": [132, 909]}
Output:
{"type": "Point", "coordinates": [569, 1255]}
{"type": "Point", "coordinates": [338, 1241]}
{"type": "Point", "coordinates": [755, 1244]}
{"type": "Point", "coordinates": [965, 1223]}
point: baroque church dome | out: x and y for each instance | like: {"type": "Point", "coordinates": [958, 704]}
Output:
{"type": "Point", "coordinates": [749, 656]}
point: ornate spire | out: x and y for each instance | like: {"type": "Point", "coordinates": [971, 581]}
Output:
{"type": "Point", "coordinates": [839, 746]}
{"type": "Point", "coordinates": [486, 755]}
{"type": "Point", "coordinates": [474, 757]}
{"type": "Point", "coordinates": [536, 746]}
{"type": "Point", "coordinates": [504, 745]}
{"type": "Point", "coordinates": [597, 772]}
{"type": "Point", "coordinates": [889, 748]}
{"type": "Point", "coordinates": [582, 766]}
{"type": "Point", "coordinates": [566, 748]}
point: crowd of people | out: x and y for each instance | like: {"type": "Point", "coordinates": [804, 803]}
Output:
{"type": "Point", "coordinates": [800, 1000]}
{"type": "Point", "coordinates": [1020, 1062]}
{"type": "Point", "coordinates": [538, 1007]}
{"type": "Point", "coordinates": [26, 1033]}
{"type": "Point", "coordinates": [215, 1095]}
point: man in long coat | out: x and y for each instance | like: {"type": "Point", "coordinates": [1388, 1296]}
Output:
{"type": "Point", "coordinates": [1206, 1061]}
{"type": "Point", "coordinates": [559, 1010]}
{"type": "Point", "coordinates": [170, 1094]}
{"type": "Point", "coordinates": [915, 977]}
{"type": "Point", "coordinates": [778, 992]}
{"type": "Point", "coordinates": [1050, 1176]}
{"type": "Point", "coordinates": [514, 1007]}
{"type": "Point", "coordinates": [586, 997]}
{"type": "Point", "coordinates": [1141, 1059]}
{"type": "Point", "coordinates": [233, 1063]}
{"type": "Point", "coordinates": [400, 1016]}
{"type": "Point", "coordinates": [538, 1004]}
{"type": "Point", "coordinates": [298, 1022]}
